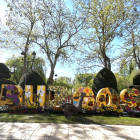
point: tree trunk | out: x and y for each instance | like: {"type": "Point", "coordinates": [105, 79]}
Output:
{"type": "Point", "coordinates": [107, 63]}
{"type": "Point", "coordinates": [15, 76]}
{"type": "Point", "coordinates": [136, 57]}
{"type": "Point", "coordinates": [26, 49]}
{"type": "Point", "coordinates": [50, 80]}
{"type": "Point", "coordinates": [24, 68]}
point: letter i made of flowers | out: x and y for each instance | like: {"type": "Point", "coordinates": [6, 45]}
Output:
{"type": "Point", "coordinates": [41, 92]}
{"type": "Point", "coordinates": [28, 94]}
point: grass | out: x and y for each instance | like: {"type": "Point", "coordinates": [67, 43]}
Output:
{"type": "Point", "coordinates": [60, 118]}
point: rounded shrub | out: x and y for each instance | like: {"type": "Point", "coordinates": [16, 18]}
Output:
{"type": "Point", "coordinates": [4, 71]}
{"type": "Point", "coordinates": [136, 79]}
{"type": "Point", "coordinates": [104, 78]}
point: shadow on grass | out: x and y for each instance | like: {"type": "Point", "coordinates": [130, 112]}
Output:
{"type": "Point", "coordinates": [60, 118]}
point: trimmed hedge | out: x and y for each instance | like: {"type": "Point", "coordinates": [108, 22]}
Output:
{"type": "Point", "coordinates": [4, 71]}
{"type": "Point", "coordinates": [136, 79]}
{"type": "Point", "coordinates": [104, 78]}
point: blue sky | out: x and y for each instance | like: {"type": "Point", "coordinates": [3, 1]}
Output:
{"type": "Point", "coordinates": [59, 70]}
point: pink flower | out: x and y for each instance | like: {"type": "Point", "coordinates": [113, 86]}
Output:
{"type": "Point", "coordinates": [128, 108]}
{"type": "Point", "coordinates": [115, 100]}
{"type": "Point", "coordinates": [133, 101]}
{"type": "Point", "coordinates": [130, 97]}
{"type": "Point", "coordinates": [136, 92]}
{"type": "Point", "coordinates": [100, 99]}
{"type": "Point", "coordinates": [80, 90]}
{"type": "Point", "coordinates": [125, 98]}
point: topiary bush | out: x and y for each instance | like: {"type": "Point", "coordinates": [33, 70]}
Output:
{"type": "Point", "coordinates": [4, 75]}
{"type": "Point", "coordinates": [104, 78]}
{"type": "Point", "coordinates": [4, 71]}
{"type": "Point", "coordinates": [136, 79]}
{"type": "Point", "coordinates": [136, 82]}
{"type": "Point", "coordinates": [33, 78]}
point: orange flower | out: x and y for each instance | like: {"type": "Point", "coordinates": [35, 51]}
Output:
{"type": "Point", "coordinates": [87, 90]}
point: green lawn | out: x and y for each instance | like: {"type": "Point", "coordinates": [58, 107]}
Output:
{"type": "Point", "coordinates": [60, 118]}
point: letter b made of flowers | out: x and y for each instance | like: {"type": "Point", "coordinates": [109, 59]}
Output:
{"type": "Point", "coordinates": [13, 92]}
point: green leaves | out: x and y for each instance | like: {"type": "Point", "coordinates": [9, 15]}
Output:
{"type": "Point", "coordinates": [17, 64]}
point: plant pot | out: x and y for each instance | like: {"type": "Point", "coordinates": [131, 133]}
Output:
{"type": "Point", "coordinates": [34, 111]}
{"type": "Point", "coordinates": [131, 115]}
{"type": "Point", "coordinates": [47, 111]}
{"type": "Point", "coordinates": [114, 114]}
{"type": "Point", "coordinates": [29, 111]}
{"type": "Point", "coordinates": [94, 112]}
{"type": "Point", "coordinates": [87, 112]}
{"type": "Point", "coordinates": [76, 98]}
{"type": "Point", "coordinates": [108, 113]}
{"type": "Point", "coordinates": [102, 114]}
{"type": "Point", "coordinates": [10, 111]}
{"type": "Point", "coordinates": [90, 104]}
{"type": "Point", "coordinates": [81, 113]}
